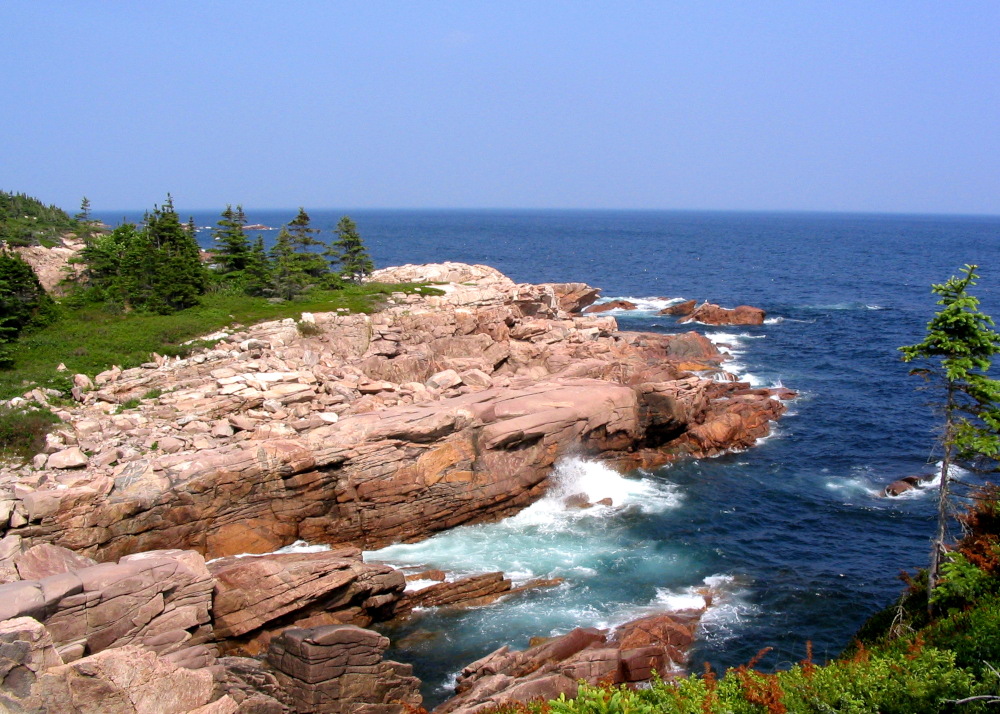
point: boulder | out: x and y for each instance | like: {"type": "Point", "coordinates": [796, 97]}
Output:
{"type": "Point", "coordinates": [26, 652]}
{"type": "Point", "coordinates": [710, 314]}
{"type": "Point", "coordinates": [907, 483]}
{"type": "Point", "coordinates": [255, 598]}
{"type": "Point", "coordinates": [340, 669]}
{"type": "Point", "coordinates": [574, 297]}
{"type": "Point", "coordinates": [633, 653]}
{"type": "Point", "coordinates": [125, 680]}
{"type": "Point", "coordinates": [42, 560]}
{"type": "Point", "coordinates": [71, 458]}
{"type": "Point", "coordinates": [471, 591]}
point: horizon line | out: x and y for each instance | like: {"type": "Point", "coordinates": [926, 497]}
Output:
{"type": "Point", "coordinates": [798, 211]}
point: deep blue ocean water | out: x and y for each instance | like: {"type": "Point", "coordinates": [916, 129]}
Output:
{"type": "Point", "coordinates": [792, 530]}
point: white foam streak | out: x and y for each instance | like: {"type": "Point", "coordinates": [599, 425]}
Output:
{"type": "Point", "coordinates": [642, 304]}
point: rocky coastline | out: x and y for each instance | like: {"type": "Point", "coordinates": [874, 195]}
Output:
{"type": "Point", "coordinates": [144, 535]}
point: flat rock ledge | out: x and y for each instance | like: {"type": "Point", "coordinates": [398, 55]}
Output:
{"type": "Point", "coordinates": [352, 431]}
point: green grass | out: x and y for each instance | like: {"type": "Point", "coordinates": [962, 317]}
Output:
{"type": "Point", "coordinates": [91, 339]}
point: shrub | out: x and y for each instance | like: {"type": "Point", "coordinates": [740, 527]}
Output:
{"type": "Point", "coordinates": [23, 430]}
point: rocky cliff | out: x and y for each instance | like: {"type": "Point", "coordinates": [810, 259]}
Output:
{"type": "Point", "coordinates": [344, 430]}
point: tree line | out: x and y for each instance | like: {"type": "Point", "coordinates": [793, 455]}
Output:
{"type": "Point", "coordinates": [159, 267]}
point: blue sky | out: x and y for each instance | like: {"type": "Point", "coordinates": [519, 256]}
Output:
{"type": "Point", "coordinates": [845, 106]}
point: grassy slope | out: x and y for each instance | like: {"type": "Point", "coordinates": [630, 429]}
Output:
{"type": "Point", "coordinates": [90, 340]}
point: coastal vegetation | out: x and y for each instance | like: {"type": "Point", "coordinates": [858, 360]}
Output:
{"type": "Point", "coordinates": [955, 358]}
{"type": "Point", "coordinates": [145, 289]}
{"type": "Point", "coordinates": [27, 221]}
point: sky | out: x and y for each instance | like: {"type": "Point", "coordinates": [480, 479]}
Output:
{"type": "Point", "coordinates": [862, 106]}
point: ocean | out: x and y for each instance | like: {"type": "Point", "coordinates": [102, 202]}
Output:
{"type": "Point", "coordinates": [793, 532]}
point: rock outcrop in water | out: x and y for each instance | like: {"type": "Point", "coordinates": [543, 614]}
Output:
{"type": "Point", "coordinates": [629, 654]}
{"type": "Point", "coordinates": [346, 430]}
{"type": "Point", "coordinates": [711, 314]}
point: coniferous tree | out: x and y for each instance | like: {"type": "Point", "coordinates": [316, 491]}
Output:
{"type": "Point", "coordinates": [233, 245]}
{"type": "Point", "coordinates": [84, 214]}
{"type": "Point", "coordinates": [24, 304]}
{"type": "Point", "coordinates": [303, 240]}
{"type": "Point", "coordinates": [180, 277]}
{"type": "Point", "coordinates": [258, 280]}
{"type": "Point", "coordinates": [118, 267]}
{"type": "Point", "coordinates": [957, 353]}
{"type": "Point", "coordinates": [287, 275]}
{"type": "Point", "coordinates": [355, 263]}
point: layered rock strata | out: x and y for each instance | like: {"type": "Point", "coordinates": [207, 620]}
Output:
{"type": "Point", "coordinates": [340, 669]}
{"type": "Point", "coordinates": [366, 430]}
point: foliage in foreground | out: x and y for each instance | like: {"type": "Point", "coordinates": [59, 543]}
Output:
{"type": "Point", "coordinates": [955, 357]}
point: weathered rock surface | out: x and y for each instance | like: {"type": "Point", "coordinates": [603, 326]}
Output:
{"type": "Point", "coordinates": [42, 560]}
{"type": "Point", "coordinates": [160, 600]}
{"type": "Point", "coordinates": [340, 669]}
{"type": "Point", "coordinates": [26, 652]}
{"type": "Point", "coordinates": [52, 265]}
{"type": "Point", "coordinates": [710, 314]}
{"type": "Point", "coordinates": [127, 680]}
{"type": "Point", "coordinates": [256, 598]}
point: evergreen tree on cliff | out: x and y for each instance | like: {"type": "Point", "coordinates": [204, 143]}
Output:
{"type": "Point", "coordinates": [955, 357]}
{"type": "Point", "coordinates": [303, 240]}
{"type": "Point", "coordinates": [287, 275]}
{"type": "Point", "coordinates": [257, 278]}
{"type": "Point", "coordinates": [233, 246]}
{"type": "Point", "coordinates": [180, 277]}
{"type": "Point", "coordinates": [355, 263]}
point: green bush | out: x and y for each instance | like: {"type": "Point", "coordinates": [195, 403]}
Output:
{"type": "Point", "coordinates": [23, 430]}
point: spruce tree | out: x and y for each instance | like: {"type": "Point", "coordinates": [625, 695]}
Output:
{"type": "Point", "coordinates": [303, 240]}
{"type": "Point", "coordinates": [955, 358]}
{"type": "Point", "coordinates": [287, 275]}
{"type": "Point", "coordinates": [180, 277]}
{"type": "Point", "coordinates": [257, 278]}
{"type": "Point", "coordinates": [355, 263]}
{"type": "Point", "coordinates": [84, 215]}
{"type": "Point", "coordinates": [233, 245]}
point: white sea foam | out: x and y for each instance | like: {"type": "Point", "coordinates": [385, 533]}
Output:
{"type": "Point", "coordinates": [301, 546]}
{"type": "Point", "coordinates": [545, 539]}
{"type": "Point", "coordinates": [642, 304]}
{"type": "Point", "coordinates": [732, 344]}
